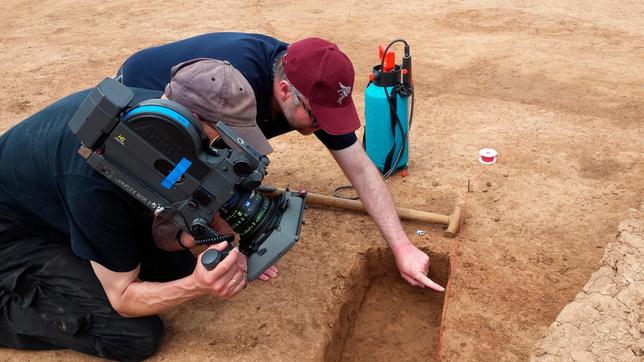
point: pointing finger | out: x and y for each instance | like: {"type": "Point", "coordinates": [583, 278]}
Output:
{"type": "Point", "coordinates": [428, 282]}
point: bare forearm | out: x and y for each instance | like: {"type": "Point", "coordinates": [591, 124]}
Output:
{"type": "Point", "coordinates": [373, 192]}
{"type": "Point", "coordinates": [148, 298]}
{"type": "Point", "coordinates": [131, 297]}
{"type": "Point", "coordinates": [378, 202]}
{"type": "Point", "coordinates": [412, 262]}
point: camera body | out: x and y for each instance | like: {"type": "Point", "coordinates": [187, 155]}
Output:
{"type": "Point", "coordinates": [157, 152]}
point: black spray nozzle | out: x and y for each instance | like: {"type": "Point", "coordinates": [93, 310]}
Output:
{"type": "Point", "coordinates": [406, 65]}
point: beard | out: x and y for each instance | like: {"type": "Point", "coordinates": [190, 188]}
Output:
{"type": "Point", "coordinates": [289, 110]}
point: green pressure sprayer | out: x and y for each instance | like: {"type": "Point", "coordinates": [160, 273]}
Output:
{"type": "Point", "coordinates": [388, 115]}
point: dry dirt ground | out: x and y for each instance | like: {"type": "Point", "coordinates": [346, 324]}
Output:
{"type": "Point", "coordinates": [606, 319]}
{"type": "Point", "coordinates": [557, 88]}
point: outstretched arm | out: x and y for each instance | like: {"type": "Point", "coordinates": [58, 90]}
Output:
{"type": "Point", "coordinates": [412, 263]}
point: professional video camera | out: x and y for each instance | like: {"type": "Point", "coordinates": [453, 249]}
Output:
{"type": "Point", "coordinates": [157, 152]}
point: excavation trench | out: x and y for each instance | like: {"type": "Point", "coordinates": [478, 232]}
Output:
{"type": "Point", "coordinates": [384, 318]}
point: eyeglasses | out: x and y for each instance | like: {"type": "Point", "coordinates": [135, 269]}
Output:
{"type": "Point", "coordinates": [308, 111]}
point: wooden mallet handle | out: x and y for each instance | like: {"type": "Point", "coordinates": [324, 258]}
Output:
{"type": "Point", "coordinates": [453, 221]}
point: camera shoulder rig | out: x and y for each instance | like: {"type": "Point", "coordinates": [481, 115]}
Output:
{"type": "Point", "coordinates": [157, 152]}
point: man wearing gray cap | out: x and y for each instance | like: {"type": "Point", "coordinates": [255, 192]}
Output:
{"type": "Point", "coordinates": [81, 264]}
{"type": "Point", "coordinates": [196, 84]}
{"type": "Point", "coordinates": [213, 90]}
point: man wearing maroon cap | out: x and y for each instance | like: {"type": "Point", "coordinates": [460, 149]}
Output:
{"type": "Point", "coordinates": [305, 86]}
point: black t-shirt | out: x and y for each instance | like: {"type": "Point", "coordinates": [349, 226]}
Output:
{"type": "Point", "coordinates": [46, 186]}
{"type": "Point", "coordinates": [252, 54]}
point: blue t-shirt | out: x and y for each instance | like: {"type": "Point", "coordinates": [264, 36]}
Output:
{"type": "Point", "coordinates": [252, 54]}
{"type": "Point", "coordinates": [47, 187]}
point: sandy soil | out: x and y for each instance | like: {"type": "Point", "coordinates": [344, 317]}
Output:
{"type": "Point", "coordinates": [557, 88]}
{"type": "Point", "coordinates": [606, 319]}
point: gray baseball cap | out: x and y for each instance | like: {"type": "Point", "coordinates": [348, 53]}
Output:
{"type": "Point", "coordinates": [216, 91]}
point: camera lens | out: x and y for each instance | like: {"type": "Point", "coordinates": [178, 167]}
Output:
{"type": "Point", "coordinates": [252, 215]}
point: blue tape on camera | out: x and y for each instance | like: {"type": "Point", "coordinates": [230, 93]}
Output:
{"type": "Point", "coordinates": [177, 172]}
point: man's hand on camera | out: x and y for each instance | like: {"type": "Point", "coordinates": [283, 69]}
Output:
{"type": "Point", "coordinates": [227, 278]}
{"type": "Point", "coordinates": [267, 275]}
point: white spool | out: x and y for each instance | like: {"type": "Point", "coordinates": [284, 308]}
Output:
{"type": "Point", "coordinates": [487, 156]}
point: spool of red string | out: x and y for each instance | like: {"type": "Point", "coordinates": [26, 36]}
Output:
{"type": "Point", "coordinates": [487, 156]}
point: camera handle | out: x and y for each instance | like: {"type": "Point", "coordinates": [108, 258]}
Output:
{"type": "Point", "coordinates": [211, 257]}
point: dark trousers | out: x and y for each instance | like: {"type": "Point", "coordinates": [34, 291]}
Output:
{"type": "Point", "coordinates": [51, 299]}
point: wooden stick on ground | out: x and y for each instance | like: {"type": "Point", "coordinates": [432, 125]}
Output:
{"type": "Point", "coordinates": [453, 221]}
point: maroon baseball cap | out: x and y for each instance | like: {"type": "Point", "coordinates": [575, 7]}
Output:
{"type": "Point", "coordinates": [325, 76]}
